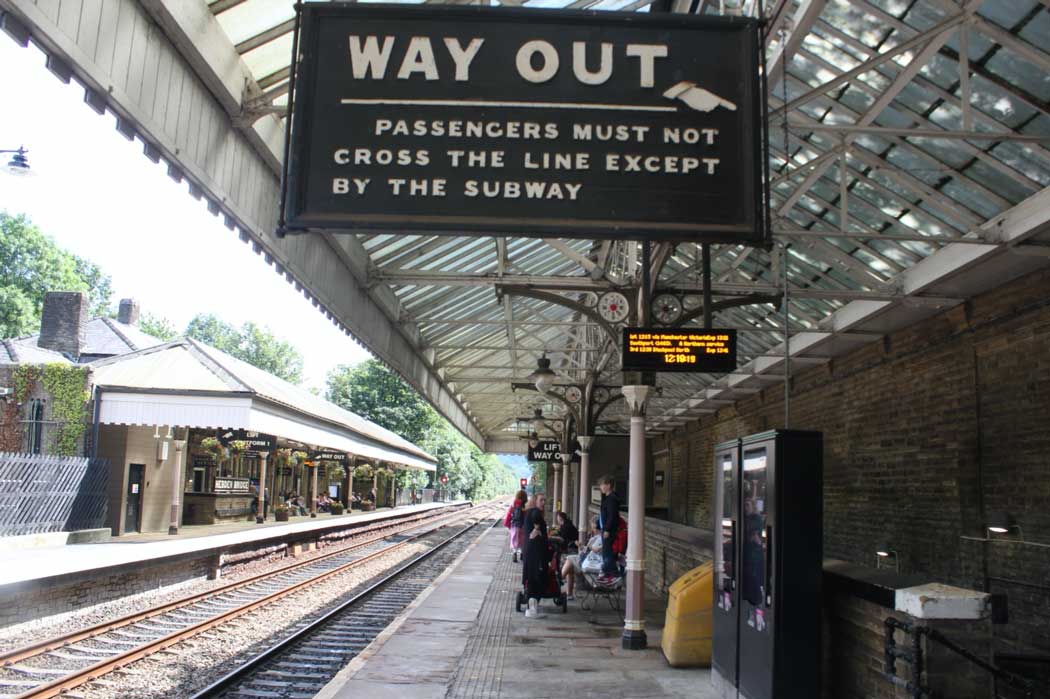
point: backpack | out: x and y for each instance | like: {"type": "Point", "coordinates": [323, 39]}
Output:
{"type": "Point", "coordinates": [517, 516]}
{"type": "Point", "coordinates": [619, 544]}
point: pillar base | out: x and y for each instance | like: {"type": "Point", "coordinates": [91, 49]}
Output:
{"type": "Point", "coordinates": [172, 531]}
{"type": "Point", "coordinates": [313, 514]}
{"type": "Point", "coordinates": [258, 519]}
{"type": "Point", "coordinates": [634, 640]}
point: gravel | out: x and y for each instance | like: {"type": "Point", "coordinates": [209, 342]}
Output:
{"type": "Point", "coordinates": [189, 666]}
{"type": "Point", "coordinates": [19, 635]}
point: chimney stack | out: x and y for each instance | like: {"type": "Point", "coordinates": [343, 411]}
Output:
{"type": "Point", "coordinates": [63, 323]}
{"type": "Point", "coordinates": [129, 312]}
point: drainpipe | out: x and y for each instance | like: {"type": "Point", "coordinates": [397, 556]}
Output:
{"type": "Point", "coordinates": [95, 421]}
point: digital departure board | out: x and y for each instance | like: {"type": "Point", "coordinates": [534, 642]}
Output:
{"type": "Point", "coordinates": [669, 349]}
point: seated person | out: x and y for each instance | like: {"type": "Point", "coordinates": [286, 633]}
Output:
{"type": "Point", "coordinates": [589, 560]}
{"type": "Point", "coordinates": [565, 534]}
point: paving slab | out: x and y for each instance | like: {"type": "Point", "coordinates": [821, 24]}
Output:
{"type": "Point", "coordinates": [464, 640]}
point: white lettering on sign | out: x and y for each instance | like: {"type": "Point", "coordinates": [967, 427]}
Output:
{"type": "Point", "coordinates": [369, 58]}
{"type": "Point", "coordinates": [536, 61]}
{"type": "Point", "coordinates": [419, 58]}
{"type": "Point", "coordinates": [646, 55]}
{"type": "Point", "coordinates": [546, 52]}
{"type": "Point", "coordinates": [579, 64]}
{"type": "Point", "coordinates": [518, 190]}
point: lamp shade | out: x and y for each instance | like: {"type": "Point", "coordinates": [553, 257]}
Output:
{"type": "Point", "coordinates": [544, 376]}
{"type": "Point", "coordinates": [19, 164]}
{"type": "Point", "coordinates": [999, 522]}
{"type": "Point", "coordinates": [884, 550]}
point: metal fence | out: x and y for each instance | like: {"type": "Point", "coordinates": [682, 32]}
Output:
{"type": "Point", "coordinates": [51, 493]}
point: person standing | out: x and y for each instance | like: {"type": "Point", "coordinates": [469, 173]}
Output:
{"type": "Point", "coordinates": [609, 522]}
{"type": "Point", "coordinates": [537, 553]}
{"type": "Point", "coordinates": [514, 521]}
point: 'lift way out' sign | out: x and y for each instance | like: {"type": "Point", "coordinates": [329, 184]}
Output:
{"type": "Point", "coordinates": [484, 120]}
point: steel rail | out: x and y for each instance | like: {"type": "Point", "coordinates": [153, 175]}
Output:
{"type": "Point", "coordinates": [249, 666]}
{"type": "Point", "coordinates": [96, 670]}
{"type": "Point", "coordinates": [57, 642]}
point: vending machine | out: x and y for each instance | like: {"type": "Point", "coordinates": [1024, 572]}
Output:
{"type": "Point", "coordinates": [725, 617]}
{"type": "Point", "coordinates": [769, 500]}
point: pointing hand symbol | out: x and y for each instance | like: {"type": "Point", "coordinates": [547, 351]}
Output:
{"type": "Point", "coordinates": [698, 98]}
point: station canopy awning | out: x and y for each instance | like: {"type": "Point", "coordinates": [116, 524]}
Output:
{"type": "Point", "coordinates": [879, 201]}
{"type": "Point", "coordinates": [190, 384]}
{"type": "Point", "coordinates": [909, 157]}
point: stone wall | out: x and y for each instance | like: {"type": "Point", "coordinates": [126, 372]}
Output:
{"type": "Point", "coordinates": [924, 433]}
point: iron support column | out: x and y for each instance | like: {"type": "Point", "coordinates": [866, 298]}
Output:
{"type": "Point", "coordinates": [585, 488]}
{"type": "Point", "coordinates": [313, 491]}
{"type": "Point", "coordinates": [566, 473]}
{"type": "Point", "coordinates": [554, 490]}
{"type": "Point", "coordinates": [634, 616]}
{"type": "Point", "coordinates": [176, 487]}
{"type": "Point", "coordinates": [260, 507]}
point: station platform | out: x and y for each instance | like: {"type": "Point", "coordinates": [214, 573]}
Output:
{"type": "Point", "coordinates": [37, 566]}
{"type": "Point", "coordinates": [462, 638]}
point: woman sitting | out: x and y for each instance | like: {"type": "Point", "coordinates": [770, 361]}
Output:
{"type": "Point", "coordinates": [565, 534]}
{"type": "Point", "coordinates": [588, 560]}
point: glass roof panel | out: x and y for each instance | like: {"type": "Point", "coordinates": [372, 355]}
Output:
{"type": "Point", "coordinates": [270, 56]}
{"type": "Point", "coordinates": [253, 17]}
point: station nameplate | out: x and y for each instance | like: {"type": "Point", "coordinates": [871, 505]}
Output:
{"type": "Point", "coordinates": [672, 349]}
{"type": "Point", "coordinates": [479, 120]}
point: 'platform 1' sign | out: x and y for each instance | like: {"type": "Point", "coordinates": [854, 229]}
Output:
{"type": "Point", "coordinates": [484, 120]}
{"type": "Point", "coordinates": [674, 349]}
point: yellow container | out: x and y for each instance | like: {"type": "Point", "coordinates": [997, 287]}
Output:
{"type": "Point", "coordinates": [686, 638]}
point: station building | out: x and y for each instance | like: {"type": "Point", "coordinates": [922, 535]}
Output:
{"type": "Point", "coordinates": [149, 408]}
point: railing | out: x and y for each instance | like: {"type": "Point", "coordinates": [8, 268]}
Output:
{"type": "Point", "coordinates": [915, 655]}
{"type": "Point", "coordinates": [51, 493]}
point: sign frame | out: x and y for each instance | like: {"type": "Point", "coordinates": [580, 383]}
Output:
{"type": "Point", "coordinates": [713, 366]}
{"type": "Point", "coordinates": [752, 230]}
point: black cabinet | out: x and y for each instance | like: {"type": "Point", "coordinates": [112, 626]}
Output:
{"type": "Point", "coordinates": [768, 491]}
{"type": "Point", "coordinates": [725, 617]}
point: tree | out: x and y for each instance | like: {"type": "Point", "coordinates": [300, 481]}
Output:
{"type": "Point", "coordinates": [157, 326]}
{"type": "Point", "coordinates": [251, 343]}
{"type": "Point", "coordinates": [31, 264]}
{"type": "Point", "coordinates": [377, 394]}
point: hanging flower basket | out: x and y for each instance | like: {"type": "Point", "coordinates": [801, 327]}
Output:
{"type": "Point", "coordinates": [363, 471]}
{"type": "Point", "coordinates": [300, 456]}
{"type": "Point", "coordinates": [213, 447]}
{"type": "Point", "coordinates": [238, 447]}
{"type": "Point", "coordinates": [282, 456]}
{"type": "Point", "coordinates": [335, 471]}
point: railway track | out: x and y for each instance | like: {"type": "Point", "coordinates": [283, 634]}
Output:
{"type": "Point", "coordinates": [52, 667]}
{"type": "Point", "coordinates": [299, 665]}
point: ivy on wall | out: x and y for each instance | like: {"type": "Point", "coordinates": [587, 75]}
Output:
{"type": "Point", "coordinates": [68, 391]}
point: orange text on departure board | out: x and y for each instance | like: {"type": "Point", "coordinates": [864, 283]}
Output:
{"type": "Point", "coordinates": [679, 347]}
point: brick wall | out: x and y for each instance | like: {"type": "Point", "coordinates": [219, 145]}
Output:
{"type": "Point", "coordinates": [923, 432]}
{"type": "Point", "coordinates": [672, 550]}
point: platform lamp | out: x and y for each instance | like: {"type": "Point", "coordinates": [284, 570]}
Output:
{"type": "Point", "coordinates": [544, 376]}
{"type": "Point", "coordinates": [884, 552]}
{"type": "Point", "coordinates": [19, 164]}
{"type": "Point", "coordinates": [1000, 522]}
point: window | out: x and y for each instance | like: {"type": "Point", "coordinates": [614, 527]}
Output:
{"type": "Point", "coordinates": [34, 426]}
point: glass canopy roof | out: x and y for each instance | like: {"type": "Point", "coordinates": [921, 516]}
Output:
{"type": "Point", "coordinates": [897, 126]}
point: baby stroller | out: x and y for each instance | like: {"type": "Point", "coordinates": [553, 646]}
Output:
{"type": "Point", "coordinates": [551, 588]}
